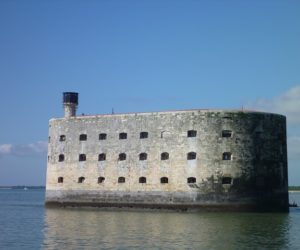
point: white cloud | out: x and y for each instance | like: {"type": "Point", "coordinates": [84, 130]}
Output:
{"type": "Point", "coordinates": [39, 147]}
{"type": "Point", "coordinates": [287, 104]}
{"type": "Point", "coordinates": [5, 149]}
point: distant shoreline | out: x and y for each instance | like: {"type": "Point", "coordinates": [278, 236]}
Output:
{"type": "Point", "coordinates": [22, 187]}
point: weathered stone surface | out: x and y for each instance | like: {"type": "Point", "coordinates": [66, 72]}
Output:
{"type": "Point", "coordinates": [255, 176]}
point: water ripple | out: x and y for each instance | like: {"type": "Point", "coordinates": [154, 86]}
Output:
{"type": "Point", "coordinates": [26, 224]}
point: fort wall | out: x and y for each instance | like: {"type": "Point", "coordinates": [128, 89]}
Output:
{"type": "Point", "coordinates": [179, 159]}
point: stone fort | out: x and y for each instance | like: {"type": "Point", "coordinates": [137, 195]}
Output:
{"type": "Point", "coordinates": [187, 160]}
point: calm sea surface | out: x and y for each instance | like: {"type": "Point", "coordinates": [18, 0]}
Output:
{"type": "Point", "coordinates": [26, 224]}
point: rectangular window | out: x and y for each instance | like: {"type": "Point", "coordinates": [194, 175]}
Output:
{"type": "Point", "coordinates": [226, 180]}
{"type": "Point", "coordinates": [226, 156]}
{"type": "Point", "coordinates": [192, 133]}
{"type": "Point", "coordinates": [226, 133]}
{"type": "Point", "coordinates": [82, 157]}
{"type": "Point", "coordinates": [101, 157]}
{"type": "Point", "coordinates": [61, 157]}
{"type": "Point", "coordinates": [62, 138]}
{"type": "Point", "coordinates": [102, 136]}
{"type": "Point", "coordinates": [122, 136]}
{"type": "Point", "coordinates": [143, 135]}
{"type": "Point", "coordinates": [121, 180]}
{"type": "Point", "coordinates": [191, 155]}
{"type": "Point", "coordinates": [83, 137]}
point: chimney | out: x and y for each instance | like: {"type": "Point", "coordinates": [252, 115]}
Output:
{"type": "Point", "coordinates": [70, 100]}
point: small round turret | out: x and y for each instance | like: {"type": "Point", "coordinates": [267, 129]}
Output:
{"type": "Point", "coordinates": [70, 100]}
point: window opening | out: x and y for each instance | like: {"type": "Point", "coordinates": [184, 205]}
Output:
{"type": "Point", "coordinates": [164, 156]}
{"type": "Point", "coordinates": [122, 157]}
{"type": "Point", "coordinates": [102, 136]}
{"type": "Point", "coordinates": [83, 137]}
{"type": "Point", "coordinates": [226, 156]}
{"type": "Point", "coordinates": [62, 138]}
{"type": "Point", "coordinates": [101, 179]}
{"type": "Point", "coordinates": [82, 157]}
{"type": "Point", "coordinates": [226, 180]}
{"type": "Point", "coordinates": [101, 157]}
{"type": "Point", "coordinates": [142, 180]}
{"type": "Point", "coordinates": [191, 156]}
{"type": "Point", "coordinates": [122, 136]}
{"type": "Point", "coordinates": [143, 135]}
{"type": "Point", "coordinates": [143, 156]}
{"type": "Point", "coordinates": [191, 180]}
{"type": "Point", "coordinates": [164, 180]}
{"type": "Point", "coordinates": [192, 133]}
{"type": "Point", "coordinates": [121, 180]}
{"type": "Point", "coordinates": [60, 179]}
{"type": "Point", "coordinates": [226, 133]}
{"type": "Point", "coordinates": [81, 179]}
{"type": "Point", "coordinates": [61, 157]}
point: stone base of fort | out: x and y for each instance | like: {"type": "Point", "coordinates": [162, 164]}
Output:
{"type": "Point", "coordinates": [180, 201]}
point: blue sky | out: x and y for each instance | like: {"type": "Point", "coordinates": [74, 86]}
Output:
{"type": "Point", "coordinates": [141, 56]}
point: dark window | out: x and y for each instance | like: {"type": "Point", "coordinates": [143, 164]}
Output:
{"type": "Point", "coordinates": [82, 157]}
{"type": "Point", "coordinates": [258, 134]}
{"type": "Point", "coordinates": [164, 156]}
{"type": "Point", "coordinates": [164, 180]}
{"type": "Point", "coordinates": [61, 157]}
{"type": "Point", "coordinates": [226, 156]}
{"type": "Point", "coordinates": [143, 135]}
{"type": "Point", "coordinates": [191, 156]}
{"type": "Point", "coordinates": [226, 133]}
{"type": "Point", "coordinates": [102, 136]}
{"type": "Point", "coordinates": [192, 133]}
{"type": "Point", "coordinates": [122, 136]}
{"type": "Point", "coordinates": [260, 181]}
{"type": "Point", "coordinates": [81, 179]}
{"type": "Point", "coordinates": [49, 139]}
{"type": "Point", "coordinates": [226, 180]}
{"type": "Point", "coordinates": [191, 180]}
{"type": "Point", "coordinates": [60, 179]}
{"type": "Point", "coordinates": [121, 180]}
{"type": "Point", "coordinates": [122, 157]}
{"type": "Point", "coordinates": [101, 157]}
{"type": "Point", "coordinates": [101, 179]}
{"type": "Point", "coordinates": [143, 156]}
{"type": "Point", "coordinates": [142, 180]}
{"type": "Point", "coordinates": [83, 137]}
{"type": "Point", "coordinates": [62, 138]}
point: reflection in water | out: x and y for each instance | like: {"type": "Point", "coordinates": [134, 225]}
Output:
{"type": "Point", "coordinates": [96, 229]}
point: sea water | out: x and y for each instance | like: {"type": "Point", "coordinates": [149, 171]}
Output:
{"type": "Point", "coordinates": [26, 224]}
